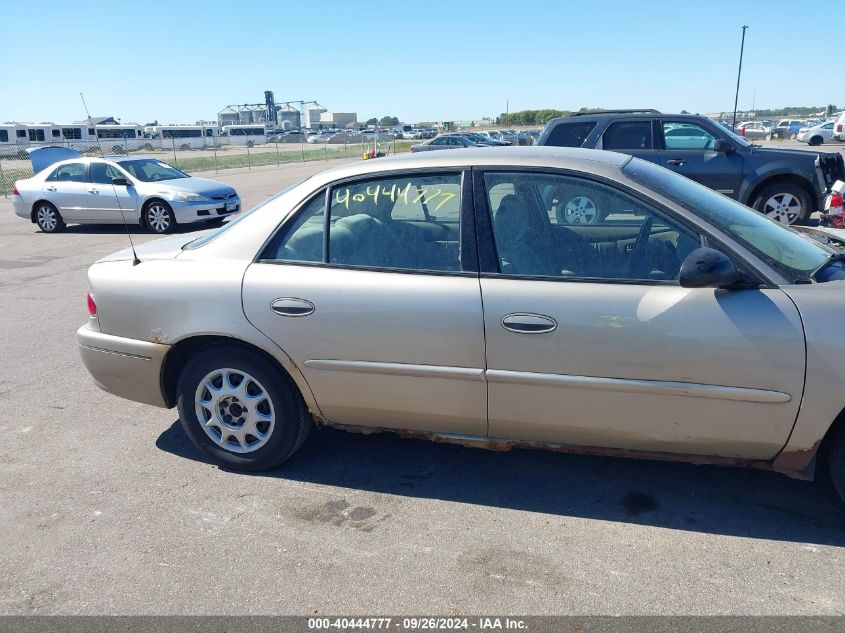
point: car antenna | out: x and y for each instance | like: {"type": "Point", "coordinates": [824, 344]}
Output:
{"type": "Point", "coordinates": [135, 260]}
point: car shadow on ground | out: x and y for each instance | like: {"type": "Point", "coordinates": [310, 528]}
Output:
{"type": "Point", "coordinates": [729, 501]}
{"type": "Point", "coordinates": [134, 229]}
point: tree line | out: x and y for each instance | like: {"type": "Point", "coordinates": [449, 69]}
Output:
{"type": "Point", "coordinates": [536, 117]}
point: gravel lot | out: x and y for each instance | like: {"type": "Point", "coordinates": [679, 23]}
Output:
{"type": "Point", "coordinates": [106, 507]}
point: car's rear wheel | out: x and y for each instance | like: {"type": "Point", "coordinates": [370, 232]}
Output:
{"type": "Point", "coordinates": [785, 202]}
{"type": "Point", "coordinates": [48, 218]}
{"type": "Point", "coordinates": [240, 410]}
{"type": "Point", "coordinates": [836, 460]}
{"type": "Point", "coordinates": [816, 140]}
{"type": "Point", "coordinates": [158, 216]}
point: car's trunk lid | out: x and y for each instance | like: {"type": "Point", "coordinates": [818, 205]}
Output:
{"type": "Point", "coordinates": [165, 248]}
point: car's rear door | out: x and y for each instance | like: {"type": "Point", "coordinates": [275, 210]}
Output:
{"type": "Point", "coordinates": [688, 149]}
{"type": "Point", "coordinates": [66, 188]}
{"type": "Point", "coordinates": [631, 136]}
{"type": "Point", "coordinates": [592, 342]}
{"type": "Point", "coordinates": [383, 317]}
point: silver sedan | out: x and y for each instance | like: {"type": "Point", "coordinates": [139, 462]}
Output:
{"type": "Point", "coordinates": [114, 190]}
{"type": "Point", "coordinates": [445, 296]}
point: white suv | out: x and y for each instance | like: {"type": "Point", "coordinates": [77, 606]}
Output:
{"type": "Point", "coordinates": [839, 128]}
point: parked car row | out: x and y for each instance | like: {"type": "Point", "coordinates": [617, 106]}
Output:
{"type": "Point", "coordinates": [810, 131]}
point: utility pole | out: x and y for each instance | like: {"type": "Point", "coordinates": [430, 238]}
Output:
{"type": "Point", "coordinates": [739, 73]}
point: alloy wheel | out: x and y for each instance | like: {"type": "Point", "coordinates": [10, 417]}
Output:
{"type": "Point", "coordinates": [783, 207]}
{"type": "Point", "coordinates": [581, 210]}
{"type": "Point", "coordinates": [46, 218]}
{"type": "Point", "coordinates": [158, 217]}
{"type": "Point", "coordinates": [234, 410]}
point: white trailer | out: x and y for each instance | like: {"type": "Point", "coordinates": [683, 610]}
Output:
{"type": "Point", "coordinates": [248, 135]}
{"type": "Point", "coordinates": [184, 136]}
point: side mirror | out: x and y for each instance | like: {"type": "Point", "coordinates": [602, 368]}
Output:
{"type": "Point", "coordinates": [120, 181]}
{"type": "Point", "coordinates": [723, 147]}
{"type": "Point", "coordinates": [708, 268]}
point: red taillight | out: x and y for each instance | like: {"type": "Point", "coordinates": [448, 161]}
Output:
{"type": "Point", "coordinates": [15, 191]}
{"type": "Point", "coordinates": [838, 128]}
{"type": "Point", "coordinates": [836, 200]}
{"type": "Point", "coordinates": [92, 305]}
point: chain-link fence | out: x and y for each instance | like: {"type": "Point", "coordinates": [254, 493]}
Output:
{"type": "Point", "coordinates": [211, 155]}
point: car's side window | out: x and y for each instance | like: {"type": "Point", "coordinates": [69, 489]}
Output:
{"type": "Point", "coordinates": [71, 172]}
{"type": "Point", "coordinates": [684, 135]}
{"type": "Point", "coordinates": [407, 222]}
{"type": "Point", "coordinates": [101, 173]}
{"type": "Point", "coordinates": [550, 225]}
{"type": "Point", "coordinates": [628, 135]}
{"type": "Point", "coordinates": [570, 134]}
{"type": "Point", "coordinates": [302, 241]}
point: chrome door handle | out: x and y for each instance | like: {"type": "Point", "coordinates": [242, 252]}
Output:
{"type": "Point", "coordinates": [528, 323]}
{"type": "Point", "coordinates": [676, 161]}
{"type": "Point", "coordinates": [51, 188]}
{"type": "Point", "coordinates": [292, 307]}
{"type": "Point", "coordinates": [93, 191]}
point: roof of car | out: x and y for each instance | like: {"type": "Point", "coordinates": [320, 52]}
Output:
{"type": "Point", "coordinates": [520, 156]}
{"type": "Point", "coordinates": [621, 114]}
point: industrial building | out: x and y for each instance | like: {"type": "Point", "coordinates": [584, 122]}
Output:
{"type": "Point", "coordinates": [337, 119]}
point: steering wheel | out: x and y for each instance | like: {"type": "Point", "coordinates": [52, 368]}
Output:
{"type": "Point", "coordinates": [639, 248]}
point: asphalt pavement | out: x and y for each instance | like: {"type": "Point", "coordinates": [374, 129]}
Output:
{"type": "Point", "coordinates": [107, 508]}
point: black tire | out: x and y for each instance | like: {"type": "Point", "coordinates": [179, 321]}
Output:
{"type": "Point", "coordinates": [816, 140]}
{"type": "Point", "coordinates": [158, 217]}
{"type": "Point", "coordinates": [836, 460]}
{"type": "Point", "coordinates": [48, 218]}
{"type": "Point", "coordinates": [777, 189]}
{"type": "Point", "coordinates": [291, 419]}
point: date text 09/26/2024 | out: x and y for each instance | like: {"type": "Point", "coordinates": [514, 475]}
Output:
{"type": "Point", "coordinates": [416, 624]}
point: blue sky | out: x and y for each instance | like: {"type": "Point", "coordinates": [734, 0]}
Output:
{"type": "Point", "coordinates": [183, 60]}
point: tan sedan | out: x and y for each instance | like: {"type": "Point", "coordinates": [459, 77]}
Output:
{"type": "Point", "coordinates": [444, 295]}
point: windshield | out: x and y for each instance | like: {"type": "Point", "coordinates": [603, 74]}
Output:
{"type": "Point", "coordinates": [151, 170]}
{"type": "Point", "coordinates": [792, 254]}
{"type": "Point", "coordinates": [736, 137]}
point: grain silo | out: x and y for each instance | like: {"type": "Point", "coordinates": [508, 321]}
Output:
{"type": "Point", "coordinates": [288, 117]}
{"type": "Point", "coordinates": [227, 116]}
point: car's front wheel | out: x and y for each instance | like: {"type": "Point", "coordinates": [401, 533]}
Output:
{"type": "Point", "coordinates": [240, 410]}
{"type": "Point", "coordinates": [48, 218]}
{"type": "Point", "coordinates": [785, 202]}
{"type": "Point", "coordinates": [158, 216]}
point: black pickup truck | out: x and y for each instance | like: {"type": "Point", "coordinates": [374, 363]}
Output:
{"type": "Point", "coordinates": [787, 185]}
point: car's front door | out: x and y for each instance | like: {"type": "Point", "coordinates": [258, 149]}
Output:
{"type": "Point", "coordinates": [66, 188]}
{"type": "Point", "coordinates": [107, 202]}
{"type": "Point", "coordinates": [386, 326]}
{"type": "Point", "coordinates": [689, 150]}
{"type": "Point", "coordinates": [591, 341]}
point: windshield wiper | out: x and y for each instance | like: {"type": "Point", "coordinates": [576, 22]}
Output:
{"type": "Point", "coordinates": [834, 258]}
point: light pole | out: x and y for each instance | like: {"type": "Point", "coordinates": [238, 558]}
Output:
{"type": "Point", "coordinates": [739, 74]}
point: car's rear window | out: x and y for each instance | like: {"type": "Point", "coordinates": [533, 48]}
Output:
{"type": "Point", "coordinates": [570, 134]}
